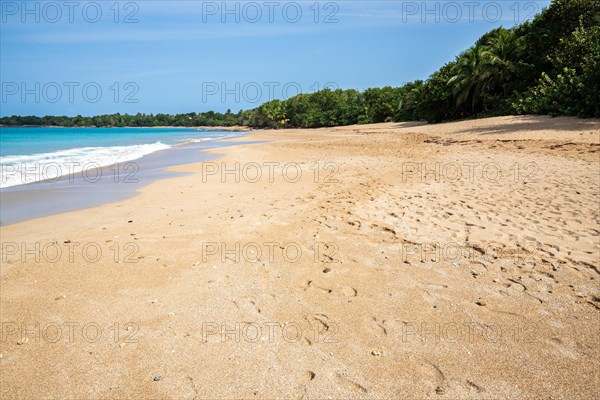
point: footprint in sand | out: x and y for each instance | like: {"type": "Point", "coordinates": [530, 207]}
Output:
{"type": "Point", "coordinates": [349, 291]}
{"type": "Point", "coordinates": [345, 381]}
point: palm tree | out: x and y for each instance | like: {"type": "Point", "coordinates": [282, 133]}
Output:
{"type": "Point", "coordinates": [471, 76]}
{"type": "Point", "coordinates": [275, 113]}
{"type": "Point", "coordinates": [505, 49]}
{"type": "Point", "coordinates": [487, 67]}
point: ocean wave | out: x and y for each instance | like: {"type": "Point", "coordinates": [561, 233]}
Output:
{"type": "Point", "coordinates": [23, 169]}
{"type": "Point", "coordinates": [207, 138]}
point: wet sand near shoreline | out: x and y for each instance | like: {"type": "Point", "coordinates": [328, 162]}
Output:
{"type": "Point", "coordinates": [96, 186]}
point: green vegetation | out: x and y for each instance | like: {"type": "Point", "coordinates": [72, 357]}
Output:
{"type": "Point", "coordinates": [209, 118]}
{"type": "Point", "coordinates": [550, 65]}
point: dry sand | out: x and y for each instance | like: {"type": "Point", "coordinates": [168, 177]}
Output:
{"type": "Point", "coordinates": [477, 285]}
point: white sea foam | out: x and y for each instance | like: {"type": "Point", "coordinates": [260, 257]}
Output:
{"type": "Point", "coordinates": [207, 139]}
{"type": "Point", "coordinates": [22, 169]}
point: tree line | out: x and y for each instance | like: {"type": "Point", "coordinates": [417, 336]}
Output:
{"type": "Point", "coordinates": [549, 65]}
{"type": "Point", "coordinates": [209, 118]}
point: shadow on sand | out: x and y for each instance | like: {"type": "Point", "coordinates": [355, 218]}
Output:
{"type": "Point", "coordinates": [536, 123]}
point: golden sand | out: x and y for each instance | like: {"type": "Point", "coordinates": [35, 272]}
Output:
{"type": "Point", "coordinates": [458, 260]}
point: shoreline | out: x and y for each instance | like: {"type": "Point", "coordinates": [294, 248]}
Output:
{"type": "Point", "coordinates": [235, 128]}
{"type": "Point", "coordinates": [108, 184]}
{"type": "Point", "coordinates": [190, 142]}
{"type": "Point", "coordinates": [336, 279]}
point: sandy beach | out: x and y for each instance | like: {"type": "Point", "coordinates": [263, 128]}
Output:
{"type": "Point", "coordinates": [395, 260]}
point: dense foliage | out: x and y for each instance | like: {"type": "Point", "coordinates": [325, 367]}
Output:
{"type": "Point", "coordinates": [209, 118]}
{"type": "Point", "coordinates": [550, 65]}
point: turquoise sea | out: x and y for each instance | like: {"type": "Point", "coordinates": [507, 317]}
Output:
{"type": "Point", "coordinates": [30, 154]}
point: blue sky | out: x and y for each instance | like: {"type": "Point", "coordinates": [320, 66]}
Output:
{"type": "Point", "coordinates": [88, 58]}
